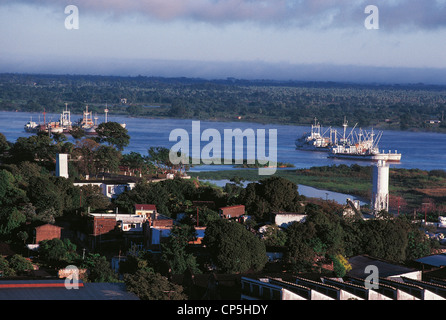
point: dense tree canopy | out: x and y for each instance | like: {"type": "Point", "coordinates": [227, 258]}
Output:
{"type": "Point", "coordinates": [233, 248]}
{"type": "Point", "coordinates": [325, 234]}
{"type": "Point", "coordinates": [273, 194]}
{"type": "Point", "coordinates": [291, 102]}
{"type": "Point", "coordinates": [148, 285]}
{"type": "Point", "coordinates": [114, 134]}
{"type": "Point", "coordinates": [174, 250]}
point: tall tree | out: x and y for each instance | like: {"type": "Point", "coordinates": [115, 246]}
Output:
{"type": "Point", "coordinates": [271, 195]}
{"type": "Point", "coordinates": [107, 159]}
{"type": "Point", "coordinates": [300, 246]}
{"type": "Point", "coordinates": [39, 147]}
{"type": "Point", "coordinates": [233, 248]}
{"type": "Point", "coordinates": [84, 153]}
{"type": "Point", "coordinates": [114, 134]}
{"type": "Point", "coordinates": [99, 269]}
{"type": "Point", "coordinates": [148, 285]}
{"type": "Point", "coordinates": [174, 250]}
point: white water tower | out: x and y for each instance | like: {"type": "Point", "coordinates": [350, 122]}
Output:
{"type": "Point", "coordinates": [380, 188]}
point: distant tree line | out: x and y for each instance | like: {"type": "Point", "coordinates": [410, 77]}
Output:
{"type": "Point", "coordinates": [286, 102]}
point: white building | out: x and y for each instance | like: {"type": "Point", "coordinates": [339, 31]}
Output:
{"type": "Point", "coordinates": [62, 165]}
{"type": "Point", "coordinates": [285, 219]}
{"type": "Point", "coordinates": [109, 188]}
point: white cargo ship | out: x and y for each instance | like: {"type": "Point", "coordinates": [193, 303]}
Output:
{"type": "Point", "coordinates": [364, 147]}
{"type": "Point", "coordinates": [315, 140]}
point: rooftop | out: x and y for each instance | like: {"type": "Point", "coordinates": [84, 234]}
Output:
{"type": "Point", "coordinates": [386, 269]}
{"type": "Point", "coordinates": [150, 207]}
{"type": "Point", "coordinates": [236, 206]}
{"type": "Point", "coordinates": [436, 260]}
{"type": "Point", "coordinates": [55, 290]}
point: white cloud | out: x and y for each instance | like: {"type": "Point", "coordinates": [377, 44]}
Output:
{"type": "Point", "coordinates": [427, 14]}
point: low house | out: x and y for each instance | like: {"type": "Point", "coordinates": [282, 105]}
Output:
{"type": "Point", "coordinates": [110, 188]}
{"type": "Point", "coordinates": [46, 232]}
{"type": "Point", "coordinates": [146, 210]}
{"type": "Point", "coordinates": [156, 230]}
{"type": "Point", "coordinates": [201, 204]}
{"type": "Point", "coordinates": [114, 227]}
{"type": "Point", "coordinates": [102, 223]}
{"type": "Point", "coordinates": [155, 236]}
{"type": "Point", "coordinates": [284, 219]}
{"type": "Point", "coordinates": [232, 211]}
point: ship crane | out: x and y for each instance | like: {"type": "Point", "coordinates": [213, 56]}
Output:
{"type": "Point", "coordinates": [350, 132]}
{"type": "Point", "coordinates": [376, 142]}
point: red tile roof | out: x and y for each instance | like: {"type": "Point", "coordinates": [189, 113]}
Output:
{"type": "Point", "coordinates": [145, 207]}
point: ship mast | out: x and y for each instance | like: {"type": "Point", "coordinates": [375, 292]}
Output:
{"type": "Point", "coordinates": [106, 111]}
{"type": "Point", "coordinates": [345, 128]}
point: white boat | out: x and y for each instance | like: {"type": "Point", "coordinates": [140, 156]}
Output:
{"type": "Point", "coordinates": [315, 140]}
{"type": "Point", "coordinates": [364, 147]}
{"type": "Point", "coordinates": [31, 126]}
{"type": "Point", "coordinates": [54, 127]}
{"type": "Point", "coordinates": [87, 124]}
{"type": "Point", "coordinates": [65, 120]}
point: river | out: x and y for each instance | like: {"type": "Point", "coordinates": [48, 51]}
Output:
{"type": "Point", "coordinates": [422, 150]}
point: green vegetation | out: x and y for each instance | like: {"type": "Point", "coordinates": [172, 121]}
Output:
{"type": "Point", "coordinates": [148, 285]}
{"type": "Point", "coordinates": [31, 194]}
{"type": "Point", "coordinates": [286, 102]}
{"type": "Point", "coordinates": [233, 248]}
{"type": "Point", "coordinates": [114, 134]}
{"type": "Point", "coordinates": [409, 188]}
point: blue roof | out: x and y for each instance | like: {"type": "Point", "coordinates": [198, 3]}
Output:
{"type": "Point", "coordinates": [88, 291]}
{"type": "Point", "coordinates": [436, 260]}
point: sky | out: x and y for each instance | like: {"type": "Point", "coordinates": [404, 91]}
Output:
{"type": "Point", "coordinates": [308, 40]}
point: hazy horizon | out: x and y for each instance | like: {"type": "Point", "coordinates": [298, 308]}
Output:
{"type": "Point", "coordinates": [299, 40]}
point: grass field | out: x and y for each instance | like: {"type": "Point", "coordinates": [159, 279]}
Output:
{"type": "Point", "coordinates": [410, 189]}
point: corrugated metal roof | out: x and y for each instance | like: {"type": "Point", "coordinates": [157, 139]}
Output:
{"type": "Point", "coordinates": [436, 260]}
{"type": "Point", "coordinates": [89, 291]}
{"type": "Point", "coordinates": [386, 268]}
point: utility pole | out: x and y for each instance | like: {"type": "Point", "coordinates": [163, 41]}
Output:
{"type": "Point", "coordinates": [424, 205]}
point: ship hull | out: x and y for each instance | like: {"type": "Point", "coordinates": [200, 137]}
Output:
{"type": "Point", "coordinates": [367, 157]}
{"type": "Point", "coordinates": [312, 148]}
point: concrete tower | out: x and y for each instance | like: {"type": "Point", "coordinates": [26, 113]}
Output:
{"type": "Point", "coordinates": [62, 165]}
{"type": "Point", "coordinates": [380, 188]}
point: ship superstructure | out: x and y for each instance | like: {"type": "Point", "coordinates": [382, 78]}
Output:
{"type": "Point", "coordinates": [88, 123]}
{"type": "Point", "coordinates": [363, 146]}
{"type": "Point", "coordinates": [356, 145]}
{"type": "Point", "coordinates": [315, 140]}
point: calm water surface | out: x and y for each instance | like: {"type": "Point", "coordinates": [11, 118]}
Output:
{"type": "Point", "coordinates": [423, 150]}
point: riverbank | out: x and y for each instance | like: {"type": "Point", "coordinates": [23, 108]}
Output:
{"type": "Point", "coordinates": [295, 103]}
{"type": "Point", "coordinates": [410, 189]}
